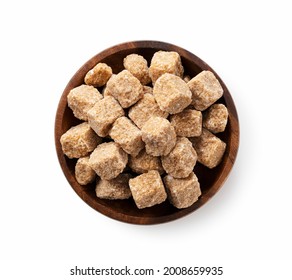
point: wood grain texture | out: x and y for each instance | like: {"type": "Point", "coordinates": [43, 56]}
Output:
{"type": "Point", "coordinates": [126, 211]}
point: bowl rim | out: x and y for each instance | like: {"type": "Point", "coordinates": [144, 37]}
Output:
{"type": "Point", "coordinates": [233, 145]}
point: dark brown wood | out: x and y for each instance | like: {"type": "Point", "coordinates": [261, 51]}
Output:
{"type": "Point", "coordinates": [126, 211]}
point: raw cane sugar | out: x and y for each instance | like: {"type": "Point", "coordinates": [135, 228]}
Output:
{"type": "Point", "coordinates": [143, 123]}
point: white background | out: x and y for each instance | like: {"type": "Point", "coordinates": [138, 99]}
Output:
{"type": "Point", "coordinates": [46, 228]}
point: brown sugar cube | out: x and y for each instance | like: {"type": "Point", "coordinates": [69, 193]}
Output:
{"type": "Point", "coordinates": [98, 75]}
{"type": "Point", "coordinates": [187, 123]}
{"type": "Point", "coordinates": [143, 162]}
{"type": "Point", "coordinates": [108, 160]}
{"type": "Point", "coordinates": [137, 65]}
{"type": "Point", "coordinates": [145, 108]}
{"type": "Point", "coordinates": [147, 89]}
{"type": "Point", "coordinates": [205, 89]}
{"type": "Point", "coordinates": [127, 135]}
{"type": "Point", "coordinates": [103, 114]}
{"type": "Point", "coordinates": [126, 88]}
{"type": "Point", "coordinates": [182, 193]}
{"type": "Point", "coordinates": [159, 136]}
{"type": "Point", "coordinates": [147, 189]}
{"type": "Point", "coordinates": [117, 188]}
{"type": "Point", "coordinates": [84, 174]}
{"type": "Point", "coordinates": [79, 141]}
{"type": "Point", "coordinates": [215, 118]}
{"type": "Point", "coordinates": [210, 149]}
{"type": "Point", "coordinates": [165, 62]}
{"type": "Point", "coordinates": [105, 90]}
{"type": "Point", "coordinates": [172, 94]}
{"type": "Point", "coordinates": [81, 99]}
{"type": "Point", "coordinates": [180, 162]}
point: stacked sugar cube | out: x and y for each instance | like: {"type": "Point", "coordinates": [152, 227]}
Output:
{"type": "Point", "coordinates": [144, 129]}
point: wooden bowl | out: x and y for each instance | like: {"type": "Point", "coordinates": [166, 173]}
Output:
{"type": "Point", "coordinates": [126, 210]}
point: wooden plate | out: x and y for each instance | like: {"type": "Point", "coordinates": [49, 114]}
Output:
{"type": "Point", "coordinates": [211, 180]}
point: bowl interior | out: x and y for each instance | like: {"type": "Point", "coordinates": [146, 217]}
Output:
{"type": "Point", "coordinates": [126, 210]}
